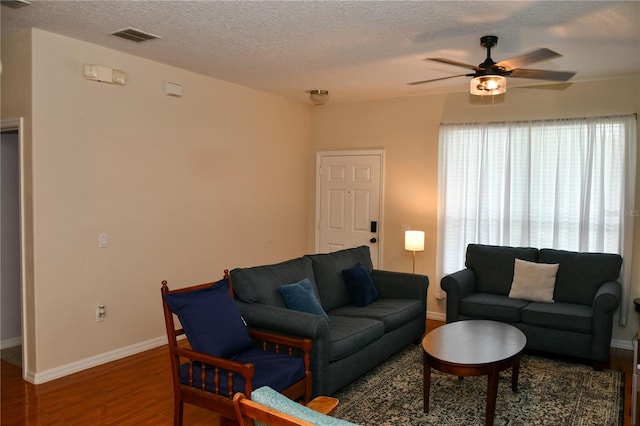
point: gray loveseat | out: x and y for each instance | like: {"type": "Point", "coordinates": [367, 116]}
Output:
{"type": "Point", "coordinates": [353, 339]}
{"type": "Point", "coordinates": [579, 321]}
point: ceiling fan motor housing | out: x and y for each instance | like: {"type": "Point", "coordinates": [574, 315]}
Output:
{"type": "Point", "coordinates": [488, 41]}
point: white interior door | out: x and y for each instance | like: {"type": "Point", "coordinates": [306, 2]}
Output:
{"type": "Point", "coordinates": [349, 201]}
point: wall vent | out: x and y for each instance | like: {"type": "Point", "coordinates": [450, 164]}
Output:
{"type": "Point", "coordinates": [15, 4]}
{"type": "Point", "coordinates": [134, 34]}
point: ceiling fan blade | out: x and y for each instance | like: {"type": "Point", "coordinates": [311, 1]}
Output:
{"type": "Point", "coordinates": [542, 74]}
{"type": "Point", "coordinates": [436, 79]}
{"type": "Point", "coordinates": [547, 86]}
{"type": "Point", "coordinates": [456, 63]}
{"type": "Point", "coordinates": [538, 55]}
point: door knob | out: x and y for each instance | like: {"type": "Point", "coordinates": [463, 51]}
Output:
{"type": "Point", "coordinates": [373, 240]}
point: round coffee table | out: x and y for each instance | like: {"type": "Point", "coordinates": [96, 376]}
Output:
{"type": "Point", "coordinates": [474, 348]}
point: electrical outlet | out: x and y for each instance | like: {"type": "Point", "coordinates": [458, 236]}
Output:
{"type": "Point", "coordinates": [101, 313]}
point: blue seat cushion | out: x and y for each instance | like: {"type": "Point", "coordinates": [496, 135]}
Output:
{"type": "Point", "coordinates": [394, 313]}
{"type": "Point", "coordinates": [359, 284]}
{"type": "Point", "coordinates": [563, 316]}
{"type": "Point", "coordinates": [278, 371]}
{"type": "Point", "coordinates": [211, 320]}
{"type": "Point", "coordinates": [348, 335]}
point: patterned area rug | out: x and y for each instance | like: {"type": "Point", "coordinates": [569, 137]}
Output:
{"type": "Point", "coordinates": [550, 392]}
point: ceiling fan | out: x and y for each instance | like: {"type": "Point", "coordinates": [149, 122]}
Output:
{"type": "Point", "coordinates": [489, 76]}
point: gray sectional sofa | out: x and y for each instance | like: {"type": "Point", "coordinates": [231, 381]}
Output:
{"type": "Point", "coordinates": [351, 339]}
{"type": "Point", "coordinates": [578, 322]}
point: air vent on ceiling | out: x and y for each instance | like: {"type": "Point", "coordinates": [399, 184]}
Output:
{"type": "Point", "coordinates": [15, 4]}
{"type": "Point", "coordinates": [134, 35]}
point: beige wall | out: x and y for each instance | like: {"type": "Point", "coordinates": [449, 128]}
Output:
{"type": "Point", "coordinates": [16, 103]}
{"type": "Point", "coordinates": [407, 129]}
{"type": "Point", "coordinates": [183, 187]}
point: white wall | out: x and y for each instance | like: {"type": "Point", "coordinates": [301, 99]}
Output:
{"type": "Point", "coordinates": [16, 90]}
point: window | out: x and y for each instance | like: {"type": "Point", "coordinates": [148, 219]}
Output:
{"type": "Point", "coordinates": [565, 184]}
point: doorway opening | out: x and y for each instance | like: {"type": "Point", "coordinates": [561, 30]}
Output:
{"type": "Point", "coordinates": [11, 276]}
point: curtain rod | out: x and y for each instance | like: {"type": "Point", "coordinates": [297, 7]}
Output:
{"type": "Point", "coordinates": [635, 115]}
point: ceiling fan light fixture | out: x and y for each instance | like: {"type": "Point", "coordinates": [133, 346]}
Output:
{"type": "Point", "coordinates": [318, 97]}
{"type": "Point", "coordinates": [488, 85]}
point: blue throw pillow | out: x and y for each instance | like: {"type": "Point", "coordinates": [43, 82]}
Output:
{"type": "Point", "coordinates": [301, 297]}
{"type": "Point", "coordinates": [360, 285]}
{"type": "Point", "coordinates": [211, 320]}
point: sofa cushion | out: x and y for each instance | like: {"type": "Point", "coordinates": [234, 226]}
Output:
{"type": "Point", "coordinates": [360, 286]}
{"type": "Point", "coordinates": [492, 306]}
{"type": "Point", "coordinates": [327, 269]}
{"type": "Point", "coordinates": [348, 335]}
{"type": "Point", "coordinates": [394, 313]}
{"type": "Point", "coordinates": [301, 296]}
{"type": "Point", "coordinates": [260, 284]}
{"type": "Point", "coordinates": [560, 316]}
{"type": "Point", "coordinates": [493, 265]}
{"type": "Point", "coordinates": [211, 320]}
{"type": "Point", "coordinates": [533, 281]}
{"type": "Point", "coordinates": [581, 274]}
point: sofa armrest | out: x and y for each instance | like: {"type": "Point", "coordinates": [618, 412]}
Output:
{"type": "Point", "coordinates": [457, 286]}
{"type": "Point", "coordinates": [605, 302]}
{"type": "Point", "coordinates": [400, 285]}
{"type": "Point", "coordinates": [284, 321]}
{"type": "Point", "coordinates": [607, 298]}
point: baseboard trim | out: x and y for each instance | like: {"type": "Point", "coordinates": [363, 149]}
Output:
{"type": "Point", "coordinates": [622, 344]}
{"type": "Point", "coordinates": [11, 342]}
{"type": "Point", "coordinates": [94, 361]}
{"type": "Point", "coordinates": [84, 364]}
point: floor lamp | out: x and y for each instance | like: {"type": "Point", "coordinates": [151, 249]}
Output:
{"type": "Point", "coordinates": [414, 241]}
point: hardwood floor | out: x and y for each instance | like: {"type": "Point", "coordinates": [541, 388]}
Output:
{"type": "Point", "coordinates": [137, 391]}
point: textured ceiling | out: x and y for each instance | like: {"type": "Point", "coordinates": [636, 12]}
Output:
{"type": "Point", "coordinates": [358, 50]}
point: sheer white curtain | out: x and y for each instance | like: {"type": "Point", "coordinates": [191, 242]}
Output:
{"type": "Point", "coordinates": [566, 184]}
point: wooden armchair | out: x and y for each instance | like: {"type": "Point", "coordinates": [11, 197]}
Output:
{"type": "Point", "coordinates": [209, 318]}
{"type": "Point", "coordinates": [249, 411]}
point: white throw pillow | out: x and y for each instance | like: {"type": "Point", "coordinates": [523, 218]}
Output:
{"type": "Point", "coordinates": [533, 281]}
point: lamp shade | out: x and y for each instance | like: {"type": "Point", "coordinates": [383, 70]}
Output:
{"type": "Point", "coordinates": [414, 240]}
{"type": "Point", "coordinates": [488, 85]}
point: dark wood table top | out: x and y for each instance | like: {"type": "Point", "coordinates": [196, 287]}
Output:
{"type": "Point", "coordinates": [474, 342]}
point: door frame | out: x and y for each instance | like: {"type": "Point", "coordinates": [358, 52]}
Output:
{"type": "Point", "coordinates": [8, 125]}
{"type": "Point", "coordinates": [350, 153]}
